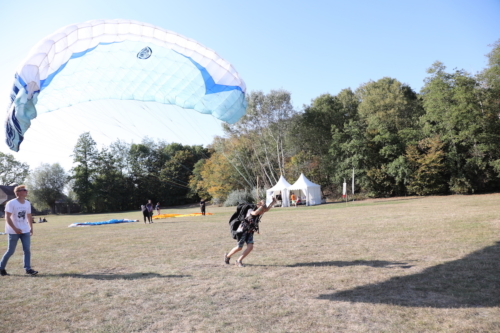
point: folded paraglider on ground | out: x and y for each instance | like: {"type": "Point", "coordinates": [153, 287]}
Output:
{"type": "Point", "coordinates": [112, 221]}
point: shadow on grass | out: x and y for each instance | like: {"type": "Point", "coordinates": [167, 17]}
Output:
{"type": "Point", "coordinates": [368, 201]}
{"type": "Point", "coordinates": [371, 263]}
{"type": "Point", "coordinates": [170, 221]}
{"type": "Point", "coordinates": [132, 276]}
{"type": "Point", "coordinates": [473, 281]}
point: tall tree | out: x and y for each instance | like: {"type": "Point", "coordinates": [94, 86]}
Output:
{"type": "Point", "coordinates": [84, 156]}
{"type": "Point", "coordinates": [196, 182]}
{"type": "Point", "coordinates": [426, 161]}
{"type": "Point", "coordinates": [176, 173]}
{"type": "Point", "coordinates": [120, 151]}
{"type": "Point", "coordinates": [490, 83]}
{"type": "Point", "coordinates": [456, 112]}
{"type": "Point", "coordinates": [390, 111]}
{"type": "Point", "coordinates": [47, 184]}
{"type": "Point", "coordinates": [11, 170]}
{"type": "Point", "coordinates": [312, 136]}
{"type": "Point", "coordinates": [219, 178]}
{"type": "Point", "coordinates": [265, 127]}
{"type": "Point", "coordinates": [491, 74]}
{"type": "Point", "coordinates": [161, 171]}
{"type": "Point", "coordinates": [110, 187]}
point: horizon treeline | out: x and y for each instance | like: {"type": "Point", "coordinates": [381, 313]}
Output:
{"type": "Point", "coordinates": [123, 176]}
{"type": "Point", "coordinates": [444, 139]}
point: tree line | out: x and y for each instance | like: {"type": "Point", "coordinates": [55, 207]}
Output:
{"type": "Point", "coordinates": [119, 177]}
{"type": "Point", "coordinates": [122, 176]}
{"type": "Point", "coordinates": [444, 139]}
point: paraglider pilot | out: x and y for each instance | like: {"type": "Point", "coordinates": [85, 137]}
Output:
{"type": "Point", "coordinates": [247, 236]}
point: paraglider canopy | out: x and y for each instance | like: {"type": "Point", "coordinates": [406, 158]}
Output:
{"type": "Point", "coordinates": [125, 60]}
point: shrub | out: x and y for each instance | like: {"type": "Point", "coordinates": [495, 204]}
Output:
{"type": "Point", "coordinates": [238, 196]}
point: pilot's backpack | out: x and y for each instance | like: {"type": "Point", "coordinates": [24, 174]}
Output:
{"type": "Point", "coordinates": [238, 219]}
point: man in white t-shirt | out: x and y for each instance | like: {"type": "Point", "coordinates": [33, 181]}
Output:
{"type": "Point", "coordinates": [19, 226]}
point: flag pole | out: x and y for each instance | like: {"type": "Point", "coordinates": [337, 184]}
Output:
{"type": "Point", "coordinates": [352, 184]}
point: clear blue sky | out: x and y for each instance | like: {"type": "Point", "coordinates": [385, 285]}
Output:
{"type": "Point", "coordinates": [306, 47]}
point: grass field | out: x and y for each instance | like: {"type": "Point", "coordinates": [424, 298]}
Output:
{"type": "Point", "coordinates": [397, 265]}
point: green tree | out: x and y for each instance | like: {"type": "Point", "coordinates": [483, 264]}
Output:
{"type": "Point", "coordinates": [46, 184]}
{"type": "Point", "coordinates": [196, 181]}
{"type": "Point", "coordinates": [490, 101]}
{"type": "Point", "coordinates": [161, 171]}
{"type": "Point", "coordinates": [263, 130]}
{"type": "Point", "coordinates": [11, 170]}
{"type": "Point", "coordinates": [349, 149]}
{"type": "Point", "coordinates": [312, 138]}
{"type": "Point", "coordinates": [491, 75]}
{"type": "Point", "coordinates": [383, 119]}
{"type": "Point", "coordinates": [112, 191]}
{"type": "Point", "coordinates": [390, 111]}
{"type": "Point", "coordinates": [84, 156]}
{"type": "Point", "coordinates": [176, 173]}
{"type": "Point", "coordinates": [456, 112]}
{"type": "Point", "coordinates": [120, 151]}
{"type": "Point", "coordinates": [218, 177]}
{"type": "Point", "coordinates": [426, 160]}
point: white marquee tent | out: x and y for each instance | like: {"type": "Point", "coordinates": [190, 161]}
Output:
{"type": "Point", "coordinates": [281, 188]}
{"type": "Point", "coordinates": [312, 192]}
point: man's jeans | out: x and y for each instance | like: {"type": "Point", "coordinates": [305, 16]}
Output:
{"type": "Point", "coordinates": [25, 240]}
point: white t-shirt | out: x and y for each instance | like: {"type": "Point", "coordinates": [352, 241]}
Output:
{"type": "Point", "coordinates": [19, 216]}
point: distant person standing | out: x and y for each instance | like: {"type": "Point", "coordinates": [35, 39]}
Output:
{"type": "Point", "coordinates": [19, 226]}
{"type": "Point", "coordinates": [149, 207]}
{"type": "Point", "coordinates": [158, 208]}
{"type": "Point", "coordinates": [202, 206]}
{"type": "Point", "coordinates": [145, 213]}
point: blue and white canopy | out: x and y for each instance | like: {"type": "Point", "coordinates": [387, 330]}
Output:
{"type": "Point", "coordinates": [126, 60]}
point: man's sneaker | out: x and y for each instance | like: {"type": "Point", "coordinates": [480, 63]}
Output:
{"type": "Point", "coordinates": [226, 259]}
{"type": "Point", "coordinates": [3, 272]}
{"type": "Point", "coordinates": [239, 264]}
{"type": "Point", "coordinates": [31, 272]}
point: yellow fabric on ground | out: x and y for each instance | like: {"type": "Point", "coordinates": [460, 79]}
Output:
{"type": "Point", "coordinates": [165, 216]}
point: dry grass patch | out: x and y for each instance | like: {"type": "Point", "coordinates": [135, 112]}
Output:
{"type": "Point", "coordinates": [404, 265]}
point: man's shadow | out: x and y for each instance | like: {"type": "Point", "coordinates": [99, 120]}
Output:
{"type": "Point", "coordinates": [371, 263]}
{"type": "Point", "coordinates": [473, 281]}
{"type": "Point", "coordinates": [131, 276]}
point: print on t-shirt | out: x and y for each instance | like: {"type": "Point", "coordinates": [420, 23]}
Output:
{"type": "Point", "coordinates": [21, 214]}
